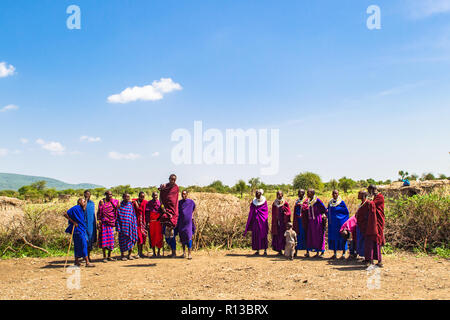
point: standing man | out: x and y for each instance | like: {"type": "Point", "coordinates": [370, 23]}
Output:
{"type": "Point", "coordinates": [258, 222]}
{"type": "Point", "coordinates": [365, 212]}
{"type": "Point", "coordinates": [337, 215]}
{"type": "Point", "coordinates": [377, 239]}
{"type": "Point", "coordinates": [91, 222]}
{"type": "Point", "coordinates": [297, 222]}
{"type": "Point", "coordinates": [281, 215]}
{"type": "Point", "coordinates": [126, 225]}
{"type": "Point", "coordinates": [314, 219]}
{"type": "Point", "coordinates": [169, 218]}
{"type": "Point", "coordinates": [152, 216]}
{"type": "Point", "coordinates": [106, 220]}
{"type": "Point", "coordinates": [186, 225]}
{"type": "Point", "coordinates": [139, 205]}
{"type": "Point", "coordinates": [77, 226]}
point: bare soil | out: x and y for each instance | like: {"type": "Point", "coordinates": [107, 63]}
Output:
{"type": "Point", "coordinates": [233, 274]}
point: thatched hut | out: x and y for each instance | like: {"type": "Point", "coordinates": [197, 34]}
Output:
{"type": "Point", "coordinates": [397, 190]}
{"type": "Point", "coordinates": [11, 212]}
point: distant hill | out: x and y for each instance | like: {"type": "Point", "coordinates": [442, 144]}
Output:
{"type": "Point", "coordinates": [11, 181]}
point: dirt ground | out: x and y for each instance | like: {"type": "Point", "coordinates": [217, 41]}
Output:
{"type": "Point", "coordinates": [222, 275]}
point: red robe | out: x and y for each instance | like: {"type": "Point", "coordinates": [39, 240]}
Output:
{"type": "Point", "coordinates": [286, 215]}
{"type": "Point", "coordinates": [366, 219]}
{"type": "Point", "coordinates": [169, 198]}
{"type": "Point", "coordinates": [378, 200]}
{"type": "Point", "coordinates": [140, 217]}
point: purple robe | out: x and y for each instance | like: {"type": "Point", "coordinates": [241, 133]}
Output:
{"type": "Point", "coordinates": [185, 225]}
{"type": "Point", "coordinates": [258, 224]}
{"type": "Point", "coordinates": [313, 225]}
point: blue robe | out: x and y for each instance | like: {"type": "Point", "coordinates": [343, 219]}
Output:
{"type": "Point", "coordinates": [359, 242]}
{"type": "Point", "coordinates": [76, 213]}
{"type": "Point", "coordinates": [301, 236]}
{"type": "Point", "coordinates": [337, 216]}
{"type": "Point", "coordinates": [91, 224]}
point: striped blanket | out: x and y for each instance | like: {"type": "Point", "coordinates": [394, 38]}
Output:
{"type": "Point", "coordinates": [126, 225]}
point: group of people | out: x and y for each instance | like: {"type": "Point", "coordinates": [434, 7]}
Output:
{"type": "Point", "coordinates": [135, 220]}
{"type": "Point", "coordinates": [304, 229]}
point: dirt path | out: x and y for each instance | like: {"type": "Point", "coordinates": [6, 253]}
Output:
{"type": "Point", "coordinates": [228, 275]}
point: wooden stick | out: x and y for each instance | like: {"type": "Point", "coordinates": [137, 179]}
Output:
{"type": "Point", "coordinates": [70, 243]}
{"type": "Point", "coordinates": [8, 248]}
{"type": "Point", "coordinates": [33, 246]}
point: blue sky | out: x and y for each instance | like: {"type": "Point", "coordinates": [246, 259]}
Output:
{"type": "Point", "coordinates": [348, 101]}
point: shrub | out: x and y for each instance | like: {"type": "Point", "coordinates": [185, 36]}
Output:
{"type": "Point", "coordinates": [421, 221]}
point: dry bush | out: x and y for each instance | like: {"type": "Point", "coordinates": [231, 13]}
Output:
{"type": "Point", "coordinates": [421, 221]}
{"type": "Point", "coordinates": [220, 220]}
{"type": "Point", "coordinates": [42, 225]}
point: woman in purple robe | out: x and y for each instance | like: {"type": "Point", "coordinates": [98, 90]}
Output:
{"type": "Point", "coordinates": [258, 222]}
{"type": "Point", "coordinates": [186, 225]}
{"type": "Point", "coordinates": [281, 214]}
{"type": "Point", "coordinates": [314, 219]}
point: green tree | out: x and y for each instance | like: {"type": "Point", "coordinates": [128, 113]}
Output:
{"type": "Point", "coordinates": [98, 192]}
{"type": "Point", "coordinates": [346, 184]}
{"type": "Point", "coordinates": [403, 174]}
{"type": "Point", "coordinates": [331, 185]}
{"type": "Point", "coordinates": [254, 183]}
{"type": "Point", "coordinates": [50, 194]}
{"type": "Point", "coordinates": [217, 186]}
{"type": "Point", "coordinates": [307, 180]}
{"type": "Point", "coordinates": [120, 190]}
{"type": "Point", "coordinates": [240, 187]}
{"type": "Point", "coordinates": [39, 185]}
{"type": "Point", "coordinates": [428, 176]}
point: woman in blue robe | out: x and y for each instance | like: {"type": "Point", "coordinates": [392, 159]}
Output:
{"type": "Point", "coordinates": [337, 215]}
{"type": "Point", "coordinates": [77, 227]}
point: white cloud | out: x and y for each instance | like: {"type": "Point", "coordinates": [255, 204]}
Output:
{"type": "Point", "coordinates": [23, 140]}
{"type": "Point", "coordinates": [90, 139]}
{"type": "Point", "coordinates": [123, 156]}
{"type": "Point", "coordinates": [155, 154]}
{"type": "Point", "coordinates": [152, 92]}
{"type": "Point", "coordinates": [426, 8]}
{"type": "Point", "coordinates": [3, 152]}
{"type": "Point", "coordinates": [400, 89]}
{"type": "Point", "coordinates": [9, 107]}
{"type": "Point", "coordinates": [55, 148]}
{"type": "Point", "coordinates": [6, 70]}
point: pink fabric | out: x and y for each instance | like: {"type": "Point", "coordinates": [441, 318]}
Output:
{"type": "Point", "coordinates": [350, 225]}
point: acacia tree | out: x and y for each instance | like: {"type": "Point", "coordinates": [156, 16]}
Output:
{"type": "Point", "coordinates": [240, 187]}
{"type": "Point", "coordinates": [254, 183]}
{"type": "Point", "coordinates": [346, 184]}
{"type": "Point", "coordinates": [39, 185]}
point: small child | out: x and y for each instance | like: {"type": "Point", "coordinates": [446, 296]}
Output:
{"type": "Point", "coordinates": [291, 241]}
